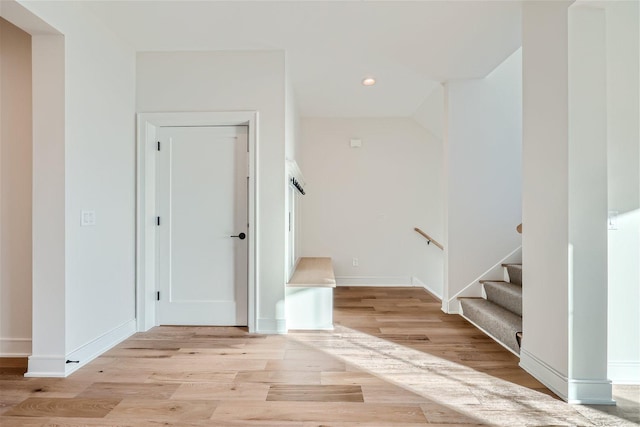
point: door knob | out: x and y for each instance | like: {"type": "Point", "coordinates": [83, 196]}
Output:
{"type": "Point", "coordinates": [240, 236]}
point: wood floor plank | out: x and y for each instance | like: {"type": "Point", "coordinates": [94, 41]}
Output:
{"type": "Point", "coordinates": [315, 393]}
{"type": "Point", "coordinates": [193, 377]}
{"type": "Point", "coordinates": [145, 409]}
{"type": "Point", "coordinates": [62, 407]}
{"type": "Point", "coordinates": [221, 391]}
{"type": "Point", "coordinates": [251, 352]}
{"type": "Point", "coordinates": [279, 377]}
{"type": "Point", "coordinates": [41, 387]}
{"type": "Point", "coordinates": [22, 421]}
{"type": "Point", "coordinates": [342, 378]}
{"type": "Point", "coordinates": [442, 414]}
{"type": "Point", "coordinates": [329, 365]}
{"type": "Point", "coordinates": [325, 412]}
{"type": "Point", "coordinates": [388, 393]}
{"type": "Point", "coordinates": [122, 390]}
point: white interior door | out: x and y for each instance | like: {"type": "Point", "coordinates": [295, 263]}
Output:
{"type": "Point", "coordinates": [202, 202]}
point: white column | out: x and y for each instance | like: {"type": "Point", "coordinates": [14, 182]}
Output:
{"type": "Point", "coordinates": [587, 207]}
{"type": "Point", "coordinates": [623, 135]}
{"type": "Point", "coordinates": [48, 357]}
{"type": "Point", "coordinates": [564, 207]}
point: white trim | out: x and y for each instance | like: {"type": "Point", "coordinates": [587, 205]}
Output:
{"type": "Point", "coordinates": [373, 281]}
{"type": "Point", "coordinates": [145, 241]}
{"type": "Point", "coordinates": [89, 351]}
{"type": "Point", "coordinates": [574, 391]}
{"type": "Point", "coordinates": [461, 313]}
{"type": "Point", "coordinates": [57, 366]}
{"type": "Point", "coordinates": [15, 347]}
{"type": "Point", "coordinates": [453, 308]}
{"type": "Point", "coordinates": [590, 392]}
{"type": "Point", "coordinates": [474, 289]}
{"type": "Point", "coordinates": [420, 284]}
{"type": "Point", "coordinates": [271, 326]}
{"type": "Point", "coordinates": [386, 281]}
{"type": "Point", "coordinates": [46, 367]}
{"type": "Point", "coordinates": [551, 378]}
{"type": "Point", "coordinates": [624, 371]}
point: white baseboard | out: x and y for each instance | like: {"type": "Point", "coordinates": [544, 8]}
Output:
{"type": "Point", "coordinates": [46, 367]}
{"type": "Point", "coordinates": [554, 380]}
{"type": "Point", "coordinates": [373, 281]}
{"type": "Point", "coordinates": [15, 347]}
{"type": "Point", "coordinates": [420, 284]}
{"type": "Point", "coordinates": [624, 372]}
{"type": "Point", "coordinates": [271, 326]}
{"type": "Point", "coordinates": [95, 348]}
{"type": "Point", "coordinates": [584, 392]}
{"type": "Point", "coordinates": [451, 306]}
{"type": "Point", "coordinates": [590, 392]}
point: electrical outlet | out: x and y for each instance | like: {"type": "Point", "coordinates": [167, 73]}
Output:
{"type": "Point", "coordinates": [355, 262]}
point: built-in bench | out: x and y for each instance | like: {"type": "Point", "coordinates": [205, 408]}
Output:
{"type": "Point", "coordinates": [309, 294]}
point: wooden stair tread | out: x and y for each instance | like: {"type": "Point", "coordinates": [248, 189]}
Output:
{"type": "Point", "coordinates": [313, 272]}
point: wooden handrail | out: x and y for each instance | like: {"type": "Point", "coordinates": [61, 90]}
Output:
{"type": "Point", "coordinates": [429, 238]}
{"type": "Point", "coordinates": [519, 228]}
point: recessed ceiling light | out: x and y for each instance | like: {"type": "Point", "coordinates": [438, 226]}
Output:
{"type": "Point", "coordinates": [368, 81]}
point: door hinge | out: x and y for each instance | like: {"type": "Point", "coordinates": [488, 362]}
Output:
{"type": "Point", "coordinates": [158, 221]}
{"type": "Point", "coordinates": [158, 296]}
{"type": "Point", "coordinates": [158, 146]}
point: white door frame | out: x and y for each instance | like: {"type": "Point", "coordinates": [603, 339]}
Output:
{"type": "Point", "coordinates": [146, 248]}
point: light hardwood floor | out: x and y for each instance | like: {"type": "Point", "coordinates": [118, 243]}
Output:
{"type": "Point", "coordinates": [394, 359]}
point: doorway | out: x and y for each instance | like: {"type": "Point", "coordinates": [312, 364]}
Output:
{"type": "Point", "coordinates": [196, 195]}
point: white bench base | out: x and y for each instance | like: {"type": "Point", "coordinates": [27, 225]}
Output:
{"type": "Point", "coordinates": [309, 295]}
{"type": "Point", "coordinates": [309, 308]}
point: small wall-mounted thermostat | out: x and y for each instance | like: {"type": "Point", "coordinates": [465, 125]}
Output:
{"type": "Point", "coordinates": [356, 143]}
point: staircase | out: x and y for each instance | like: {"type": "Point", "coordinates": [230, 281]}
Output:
{"type": "Point", "coordinates": [500, 314]}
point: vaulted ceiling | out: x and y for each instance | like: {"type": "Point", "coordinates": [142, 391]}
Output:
{"type": "Point", "coordinates": [409, 46]}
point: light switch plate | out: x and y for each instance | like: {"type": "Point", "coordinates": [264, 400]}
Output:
{"type": "Point", "coordinates": [88, 218]}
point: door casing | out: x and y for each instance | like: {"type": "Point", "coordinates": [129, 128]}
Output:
{"type": "Point", "coordinates": [146, 248]}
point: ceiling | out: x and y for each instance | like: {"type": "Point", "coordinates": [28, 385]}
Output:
{"type": "Point", "coordinates": [409, 46]}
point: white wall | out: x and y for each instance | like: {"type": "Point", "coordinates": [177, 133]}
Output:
{"type": "Point", "coordinates": [235, 81]}
{"type": "Point", "coordinates": [292, 120]}
{"type": "Point", "coordinates": [292, 198]}
{"type": "Point", "coordinates": [623, 136]}
{"type": "Point", "coordinates": [545, 191]}
{"type": "Point", "coordinates": [15, 191]}
{"type": "Point", "coordinates": [483, 172]}
{"type": "Point", "coordinates": [97, 158]}
{"type": "Point", "coordinates": [364, 202]}
{"type": "Point", "coordinates": [430, 114]}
